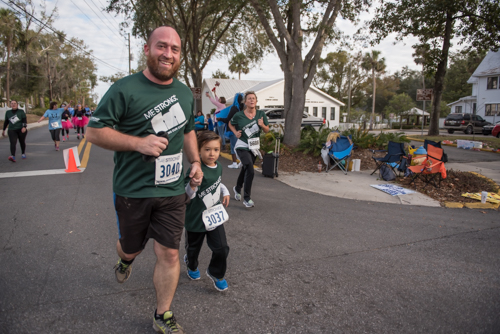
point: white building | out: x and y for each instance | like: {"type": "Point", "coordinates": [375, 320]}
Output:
{"type": "Point", "coordinates": [270, 94]}
{"type": "Point", "coordinates": [485, 98]}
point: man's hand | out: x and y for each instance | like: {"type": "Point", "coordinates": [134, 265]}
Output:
{"type": "Point", "coordinates": [23, 130]}
{"type": "Point", "coordinates": [196, 174]}
{"type": "Point", "coordinates": [152, 145]}
{"type": "Point", "coordinates": [238, 134]}
{"type": "Point", "coordinates": [3, 133]}
{"type": "Point", "coordinates": [225, 200]}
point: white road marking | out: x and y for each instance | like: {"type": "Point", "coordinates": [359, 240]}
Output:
{"type": "Point", "coordinates": [36, 173]}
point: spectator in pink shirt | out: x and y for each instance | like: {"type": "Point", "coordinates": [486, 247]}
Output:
{"type": "Point", "coordinates": [220, 103]}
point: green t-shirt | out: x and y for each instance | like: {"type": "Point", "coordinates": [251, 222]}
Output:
{"type": "Point", "coordinates": [15, 119]}
{"type": "Point", "coordinates": [249, 127]}
{"type": "Point", "coordinates": [207, 195]}
{"type": "Point", "coordinates": [136, 106]}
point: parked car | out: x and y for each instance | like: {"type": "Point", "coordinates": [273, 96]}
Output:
{"type": "Point", "coordinates": [275, 117]}
{"type": "Point", "coordinates": [467, 123]}
{"type": "Point", "coordinates": [488, 129]}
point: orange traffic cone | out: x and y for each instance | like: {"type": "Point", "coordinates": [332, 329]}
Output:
{"type": "Point", "coordinates": [71, 163]}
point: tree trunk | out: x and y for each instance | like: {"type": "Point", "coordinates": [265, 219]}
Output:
{"type": "Point", "coordinates": [372, 119]}
{"type": "Point", "coordinates": [293, 119]}
{"type": "Point", "coordinates": [439, 78]}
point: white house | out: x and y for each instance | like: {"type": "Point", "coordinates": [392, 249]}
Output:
{"type": "Point", "coordinates": [485, 98]}
{"type": "Point", "coordinates": [270, 94]}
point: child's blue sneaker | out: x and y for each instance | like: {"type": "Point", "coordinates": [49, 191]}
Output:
{"type": "Point", "coordinates": [194, 275]}
{"type": "Point", "coordinates": [220, 284]}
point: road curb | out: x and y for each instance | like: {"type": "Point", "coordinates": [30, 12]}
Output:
{"type": "Point", "coordinates": [453, 145]}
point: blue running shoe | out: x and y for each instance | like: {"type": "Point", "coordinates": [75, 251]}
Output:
{"type": "Point", "coordinates": [192, 274]}
{"type": "Point", "coordinates": [219, 284]}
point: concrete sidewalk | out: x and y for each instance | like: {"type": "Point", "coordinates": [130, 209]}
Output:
{"type": "Point", "coordinates": [354, 185]}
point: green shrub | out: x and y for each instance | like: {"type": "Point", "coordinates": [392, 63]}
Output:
{"type": "Point", "coordinates": [361, 138]}
{"type": "Point", "coordinates": [268, 141]}
{"type": "Point", "coordinates": [311, 141]}
{"type": "Point", "coordinates": [396, 125]}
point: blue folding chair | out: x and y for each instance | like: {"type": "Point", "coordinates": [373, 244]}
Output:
{"type": "Point", "coordinates": [340, 151]}
{"type": "Point", "coordinates": [395, 152]}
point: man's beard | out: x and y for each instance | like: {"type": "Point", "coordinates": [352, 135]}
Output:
{"type": "Point", "coordinates": [161, 74]}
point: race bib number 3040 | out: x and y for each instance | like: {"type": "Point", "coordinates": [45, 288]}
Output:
{"type": "Point", "coordinates": [168, 168]}
{"type": "Point", "coordinates": [215, 216]}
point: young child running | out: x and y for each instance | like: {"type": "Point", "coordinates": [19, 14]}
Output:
{"type": "Point", "coordinates": [205, 214]}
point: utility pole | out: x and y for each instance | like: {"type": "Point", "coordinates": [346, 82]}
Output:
{"type": "Point", "coordinates": [349, 96]}
{"type": "Point", "coordinates": [129, 69]}
{"type": "Point", "coordinates": [423, 111]}
{"type": "Point", "coordinates": [50, 81]}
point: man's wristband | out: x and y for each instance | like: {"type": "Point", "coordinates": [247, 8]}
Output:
{"type": "Point", "coordinates": [198, 161]}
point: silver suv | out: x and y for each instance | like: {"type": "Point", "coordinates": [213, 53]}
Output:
{"type": "Point", "coordinates": [275, 117]}
{"type": "Point", "coordinates": [464, 122]}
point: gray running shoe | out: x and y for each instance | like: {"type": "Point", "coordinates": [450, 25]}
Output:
{"type": "Point", "coordinates": [167, 324]}
{"type": "Point", "coordinates": [249, 204]}
{"type": "Point", "coordinates": [237, 195]}
{"type": "Point", "coordinates": [122, 271]}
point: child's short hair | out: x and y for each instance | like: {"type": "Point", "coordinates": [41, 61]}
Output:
{"type": "Point", "coordinates": [206, 136]}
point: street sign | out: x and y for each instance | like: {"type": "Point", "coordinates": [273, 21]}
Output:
{"type": "Point", "coordinates": [424, 94]}
{"type": "Point", "coordinates": [196, 93]}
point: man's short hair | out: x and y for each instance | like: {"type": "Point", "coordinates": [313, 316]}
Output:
{"type": "Point", "coordinates": [14, 101]}
{"type": "Point", "coordinates": [52, 104]}
{"type": "Point", "coordinates": [151, 33]}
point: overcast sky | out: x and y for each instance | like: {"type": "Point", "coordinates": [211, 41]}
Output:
{"type": "Point", "coordinates": [84, 19]}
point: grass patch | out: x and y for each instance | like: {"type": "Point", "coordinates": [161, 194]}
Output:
{"type": "Point", "coordinates": [490, 141]}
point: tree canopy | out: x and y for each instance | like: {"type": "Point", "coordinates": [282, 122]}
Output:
{"type": "Point", "coordinates": [293, 27]}
{"type": "Point", "coordinates": [435, 23]}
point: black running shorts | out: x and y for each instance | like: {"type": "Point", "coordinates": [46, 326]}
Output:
{"type": "Point", "coordinates": [159, 218]}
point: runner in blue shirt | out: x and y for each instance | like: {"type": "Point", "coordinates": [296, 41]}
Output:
{"type": "Point", "coordinates": [54, 115]}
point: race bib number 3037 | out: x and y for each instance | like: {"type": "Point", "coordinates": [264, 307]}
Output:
{"type": "Point", "coordinates": [168, 168]}
{"type": "Point", "coordinates": [215, 216]}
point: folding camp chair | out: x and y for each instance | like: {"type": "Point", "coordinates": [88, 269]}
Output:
{"type": "Point", "coordinates": [395, 152]}
{"type": "Point", "coordinates": [436, 144]}
{"type": "Point", "coordinates": [432, 167]}
{"type": "Point", "coordinates": [340, 151]}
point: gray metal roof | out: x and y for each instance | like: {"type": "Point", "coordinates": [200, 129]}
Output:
{"type": "Point", "coordinates": [489, 66]}
{"type": "Point", "coordinates": [229, 87]}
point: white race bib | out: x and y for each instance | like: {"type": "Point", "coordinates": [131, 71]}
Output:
{"type": "Point", "coordinates": [80, 118]}
{"type": "Point", "coordinates": [254, 143]}
{"type": "Point", "coordinates": [215, 216]}
{"type": "Point", "coordinates": [168, 168]}
{"type": "Point", "coordinates": [63, 120]}
{"type": "Point", "coordinates": [54, 124]}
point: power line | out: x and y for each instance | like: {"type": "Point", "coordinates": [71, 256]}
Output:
{"type": "Point", "coordinates": [41, 24]}
{"type": "Point", "coordinates": [101, 19]}
{"type": "Point", "coordinates": [117, 23]}
{"type": "Point", "coordinates": [95, 25]}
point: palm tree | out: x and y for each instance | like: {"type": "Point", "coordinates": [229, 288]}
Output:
{"type": "Point", "coordinates": [371, 62]}
{"type": "Point", "coordinates": [9, 28]}
{"type": "Point", "coordinates": [238, 64]}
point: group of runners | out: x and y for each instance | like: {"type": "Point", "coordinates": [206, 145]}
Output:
{"type": "Point", "coordinates": [61, 121]}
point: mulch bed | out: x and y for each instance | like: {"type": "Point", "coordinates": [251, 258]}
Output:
{"type": "Point", "coordinates": [450, 189]}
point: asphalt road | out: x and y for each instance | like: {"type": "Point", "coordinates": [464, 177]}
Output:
{"type": "Point", "coordinates": [300, 262]}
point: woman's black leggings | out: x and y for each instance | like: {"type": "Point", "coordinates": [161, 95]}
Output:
{"type": "Point", "coordinates": [63, 130]}
{"type": "Point", "coordinates": [245, 178]}
{"type": "Point", "coordinates": [14, 135]}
